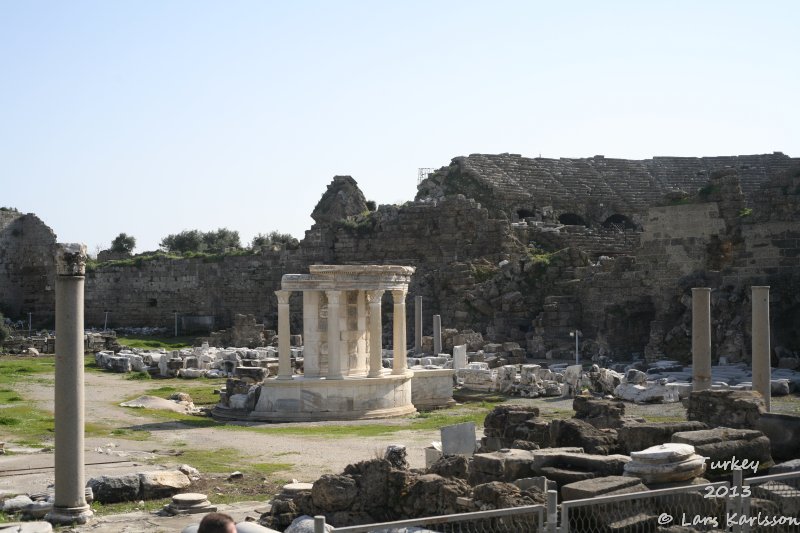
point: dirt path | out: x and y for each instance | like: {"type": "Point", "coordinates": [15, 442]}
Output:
{"type": "Point", "coordinates": [310, 456]}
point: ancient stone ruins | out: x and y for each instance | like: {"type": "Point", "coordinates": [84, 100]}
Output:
{"type": "Point", "coordinates": [594, 280]}
{"type": "Point", "coordinates": [517, 249]}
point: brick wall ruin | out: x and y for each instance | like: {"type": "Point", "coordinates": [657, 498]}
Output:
{"type": "Point", "coordinates": [27, 268]}
{"type": "Point", "coordinates": [495, 253]}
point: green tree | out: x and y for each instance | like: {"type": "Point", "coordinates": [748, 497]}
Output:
{"type": "Point", "coordinates": [123, 243]}
{"type": "Point", "coordinates": [185, 241]}
{"type": "Point", "coordinates": [215, 242]}
{"type": "Point", "coordinates": [274, 237]}
{"type": "Point", "coordinates": [221, 240]}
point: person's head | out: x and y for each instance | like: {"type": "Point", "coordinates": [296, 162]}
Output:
{"type": "Point", "coordinates": [217, 523]}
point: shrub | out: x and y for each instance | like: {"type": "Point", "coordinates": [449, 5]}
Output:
{"type": "Point", "coordinates": [123, 243]}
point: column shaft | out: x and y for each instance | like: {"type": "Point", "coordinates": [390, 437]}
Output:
{"type": "Point", "coordinates": [762, 373]}
{"type": "Point", "coordinates": [284, 352]}
{"type": "Point", "coordinates": [311, 336]}
{"type": "Point", "coordinates": [418, 325]}
{"type": "Point", "coordinates": [437, 335]}
{"type": "Point", "coordinates": [69, 505]}
{"type": "Point", "coordinates": [701, 339]}
{"type": "Point", "coordinates": [334, 336]}
{"type": "Point", "coordinates": [375, 334]}
{"type": "Point", "coordinates": [399, 342]}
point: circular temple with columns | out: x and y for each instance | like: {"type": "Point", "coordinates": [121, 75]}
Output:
{"type": "Point", "coordinates": [343, 378]}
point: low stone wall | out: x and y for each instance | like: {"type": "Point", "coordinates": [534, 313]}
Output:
{"type": "Point", "coordinates": [432, 389]}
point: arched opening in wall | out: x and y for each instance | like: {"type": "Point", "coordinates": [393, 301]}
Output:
{"type": "Point", "coordinates": [525, 213]}
{"type": "Point", "coordinates": [571, 219]}
{"type": "Point", "coordinates": [617, 221]}
{"type": "Point", "coordinates": [787, 328]}
{"type": "Point", "coordinates": [627, 327]}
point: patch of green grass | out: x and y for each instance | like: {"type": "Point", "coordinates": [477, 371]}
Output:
{"type": "Point", "coordinates": [222, 460]}
{"type": "Point", "coordinates": [201, 390]}
{"type": "Point", "coordinates": [745, 212]}
{"type": "Point", "coordinates": [131, 434]}
{"type": "Point", "coordinates": [25, 424]}
{"type": "Point", "coordinates": [138, 376]}
{"type": "Point", "coordinates": [13, 369]}
{"type": "Point", "coordinates": [149, 506]}
{"type": "Point", "coordinates": [156, 343]}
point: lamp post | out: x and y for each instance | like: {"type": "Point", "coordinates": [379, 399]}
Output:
{"type": "Point", "coordinates": [175, 312]}
{"type": "Point", "coordinates": [105, 323]}
{"type": "Point", "coordinates": [29, 323]}
{"type": "Point", "coordinates": [577, 333]}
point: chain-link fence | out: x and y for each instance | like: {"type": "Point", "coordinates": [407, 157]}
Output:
{"type": "Point", "coordinates": [698, 507]}
{"type": "Point", "coordinates": [760, 504]}
{"type": "Point", "coordinates": [769, 503]}
{"type": "Point", "coordinates": [528, 519]}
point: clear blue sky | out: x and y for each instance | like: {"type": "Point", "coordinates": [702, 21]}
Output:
{"type": "Point", "coordinates": [151, 117]}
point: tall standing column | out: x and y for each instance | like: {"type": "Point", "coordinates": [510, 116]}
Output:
{"type": "Point", "coordinates": [311, 335]}
{"type": "Point", "coordinates": [701, 339]}
{"type": "Point", "coordinates": [437, 335]}
{"type": "Point", "coordinates": [361, 341]}
{"type": "Point", "coordinates": [70, 500]}
{"type": "Point", "coordinates": [334, 336]}
{"type": "Point", "coordinates": [284, 359]}
{"type": "Point", "coordinates": [762, 372]}
{"type": "Point", "coordinates": [418, 325]}
{"type": "Point", "coordinates": [375, 334]}
{"type": "Point", "coordinates": [399, 342]}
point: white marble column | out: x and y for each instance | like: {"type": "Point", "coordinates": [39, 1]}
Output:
{"type": "Point", "coordinates": [284, 357]}
{"type": "Point", "coordinates": [437, 335]}
{"type": "Point", "coordinates": [334, 336]}
{"type": "Point", "coordinates": [361, 341]}
{"type": "Point", "coordinates": [375, 334]}
{"type": "Point", "coordinates": [762, 373]}
{"type": "Point", "coordinates": [701, 339]}
{"type": "Point", "coordinates": [311, 336]}
{"type": "Point", "coordinates": [418, 325]}
{"type": "Point", "coordinates": [399, 341]}
{"type": "Point", "coordinates": [70, 501]}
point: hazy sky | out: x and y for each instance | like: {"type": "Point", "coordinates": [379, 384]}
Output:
{"type": "Point", "coordinates": [154, 116]}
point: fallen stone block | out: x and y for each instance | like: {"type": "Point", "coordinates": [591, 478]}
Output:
{"type": "Point", "coordinates": [723, 444]}
{"type": "Point", "coordinates": [114, 489]}
{"type": "Point", "coordinates": [639, 436]}
{"type": "Point", "coordinates": [162, 483]}
{"type": "Point", "coordinates": [573, 432]}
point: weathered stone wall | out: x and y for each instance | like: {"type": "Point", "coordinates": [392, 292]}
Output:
{"type": "Point", "coordinates": [27, 268]}
{"type": "Point", "coordinates": [593, 188]}
{"type": "Point", "coordinates": [481, 272]}
{"type": "Point", "coordinates": [148, 293]}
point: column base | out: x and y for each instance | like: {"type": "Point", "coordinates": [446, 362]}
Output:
{"type": "Point", "coordinates": [334, 378]}
{"type": "Point", "coordinates": [69, 515]}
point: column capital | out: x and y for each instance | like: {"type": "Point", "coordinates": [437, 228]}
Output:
{"type": "Point", "coordinates": [399, 295]}
{"type": "Point", "coordinates": [71, 259]}
{"type": "Point", "coordinates": [283, 296]}
{"type": "Point", "coordinates": [333, 296]}
{"type": "Point", "coordinates": [374, 296]}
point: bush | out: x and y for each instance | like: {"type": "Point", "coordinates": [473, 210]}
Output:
{"type": "Point", "coordinates": [274, 237]}
{"type": "Point", "coordinates": [123, 243]}
{"type": "Point", "coordinates": [195, 241]}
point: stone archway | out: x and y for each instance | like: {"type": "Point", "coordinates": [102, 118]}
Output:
{"type": "Point", "coordinates": [572, 219]}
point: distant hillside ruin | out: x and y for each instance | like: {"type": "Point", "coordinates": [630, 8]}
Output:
{"type": "Point", "coordinates": [518, 249]}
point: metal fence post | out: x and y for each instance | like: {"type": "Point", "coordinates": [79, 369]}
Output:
{"type": "Point", "coordinates": [319, 524]}
{"type": "Point", "coordinates": [735, 503]}
{"type": "Point", "coordinates": [551, 521]}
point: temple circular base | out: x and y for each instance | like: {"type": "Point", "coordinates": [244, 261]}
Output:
{"type": "Point", "coordinates": [62, 516]}
{"type": "Point", "coordinates": [313, 399]}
